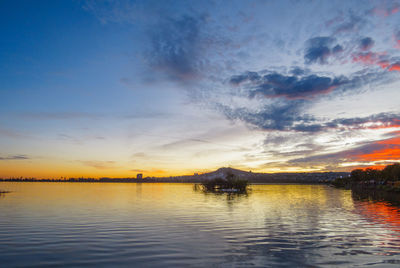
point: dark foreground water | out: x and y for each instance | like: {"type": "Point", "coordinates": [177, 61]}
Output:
{"type": "Point", "coordinates": [171, 225]}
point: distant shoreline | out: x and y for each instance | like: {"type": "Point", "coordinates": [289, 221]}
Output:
{"type": "Point", "coordinates": [183, 182]}
{"type": "Point", "coordinates": [252, 177]}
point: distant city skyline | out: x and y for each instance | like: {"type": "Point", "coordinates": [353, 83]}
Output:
{"type": "Point", "coordinates": [164, 88]}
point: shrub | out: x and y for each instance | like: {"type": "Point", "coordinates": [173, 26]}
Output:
{"type": "Point", "coordinates": [231, 182]}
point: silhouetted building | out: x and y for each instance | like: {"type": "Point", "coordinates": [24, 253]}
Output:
{"type": "Point", "coordinates": [139, 176]}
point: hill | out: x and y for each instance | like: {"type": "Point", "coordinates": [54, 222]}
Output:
{"type": "Point", "coordinates": [294, 177]}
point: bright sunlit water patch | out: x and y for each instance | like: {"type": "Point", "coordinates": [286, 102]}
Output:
{"type": "Point", "coordinates": [161, 225]}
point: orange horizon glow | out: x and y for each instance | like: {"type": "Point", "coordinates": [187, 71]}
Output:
{"type": "Point", "coordinates": [391, 151]}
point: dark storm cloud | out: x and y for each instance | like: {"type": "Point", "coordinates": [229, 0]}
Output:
{"type": "Point", "coordinates": [366, 43]}
{"type": "Point", "coordinates": [15, 157]}
{"type": "Point", "coordinates": [175, 47]}
{"type": "Point", "coordinates": [319, 49]}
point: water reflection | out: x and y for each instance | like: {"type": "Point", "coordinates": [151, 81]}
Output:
{"type": "Point", "coordinates": [3, 193]}
{"type": "Point", "coordinates": [392, 198]}
{"type": "Point", "coordinates": [161, 225]}
{"type": "Point", "coordinates": [231, 197]}
{"type": "Point", "coordinates": [379, 207]}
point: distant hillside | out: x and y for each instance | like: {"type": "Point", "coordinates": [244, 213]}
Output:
{"type": "Point", "coordinates": [303, 177]}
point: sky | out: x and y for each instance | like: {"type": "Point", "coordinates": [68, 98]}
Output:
{"type": "Point", "coordinates": [116, 88]}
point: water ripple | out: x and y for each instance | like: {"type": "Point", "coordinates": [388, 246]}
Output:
{"type": "Point", "coordinates": [170, 225]}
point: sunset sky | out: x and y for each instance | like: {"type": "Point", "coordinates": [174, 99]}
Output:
{"type": "Point", "coordinates": [116, 88]}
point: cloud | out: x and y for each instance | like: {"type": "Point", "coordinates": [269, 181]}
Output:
{"type": "Point", "coordinates": [318, 50]}
{"type": "Point", "coordinates": [9, 133]}
{"type": "Point", "coordinates": [366, 43]}
{"type": "Point", "coordinates": [59, 115]}
{"type": "Point", "coordinates": [248, 76]}
{"type": "Point", "coordinates": [375, 121]}
{"type": "Point", "coordinates": [394, 67]}
{"type": "Point", "coordinates": [388, 149]}
{"type": "Point", "coordinates": [293, 87]}
{"type": "Point", "coordinates": [99, 164]}
{"type": "Point", "coordinates": [366, 152]}
{"type": "Point", "coordinates": [298, 84]}
{"type": "Point", "coordinates": [139, 155]}
{"type": "Point", "coordinates": [352, 23]}
{"type": "Point", "coordinates": [385, 11]}
{"type": "Point", "coordinates": [175, 47]}
{"type": "Point", "coordinates": [379, 59]}
{"type": "Point", "coordinates": [381, 120]}
{"type": "Point", "coordinates": [137, 170]}
{"type": "Point", "coordinates": [297, 71]}
{"type": "Point", "coordinates": [375, 151]}
{"type": "Point", "coordinates": [396, 38]}
{"type": "Point", "coordinates": [277, 116]}
{"type": "Point", "coordinates": [15, 157]}
{"type": "Point", "coordinates": [337, 49]}
{"type": "Point", "coordinates": [150, 171]}
{"type": "Point", "coordinates": [289, 94]}
{"type": "Point", "coordinates": [289, 116]}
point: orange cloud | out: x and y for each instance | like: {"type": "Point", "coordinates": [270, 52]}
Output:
{"type": "Point", "coordinates": [394, 124]}
{"type": "Point", "coordinates": [385, 12]}
{"type": "Point", "coordinates": [386, 150]}
{"type": "Point", "coordinates": [396, 38]}
{"type": "Point", "coordinates": [394, 67]}
{"type": "Point", "coordinates": [372, 58]}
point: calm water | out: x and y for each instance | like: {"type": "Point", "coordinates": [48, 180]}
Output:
{"type": "Point", "coordinates": [171, 225]}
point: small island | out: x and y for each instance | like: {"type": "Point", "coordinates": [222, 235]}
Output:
{"type": "Point", "coordinates": [229, 184]}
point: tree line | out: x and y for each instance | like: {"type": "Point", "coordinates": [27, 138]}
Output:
{"type": "Point", "coordinates": [389, 175]}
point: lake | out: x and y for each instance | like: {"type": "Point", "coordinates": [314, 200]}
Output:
{"type": "Point", "coordinates": [172, 225]}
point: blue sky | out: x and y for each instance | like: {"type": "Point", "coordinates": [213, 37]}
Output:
{"type": "Point", "coordinates": [113, 88]}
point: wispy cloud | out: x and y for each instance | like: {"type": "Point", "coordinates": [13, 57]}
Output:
{"type": "Point", "coordinates": [385, 9]}
{"type": "Point", "coordinates": [99, 164]}
{"type": "Point", "coordinates": [15, 157]}
{"type": "Point", "coordinates": [375, 151]}
{"type": "Point", "coordinates": [58, 115]}
{"type": "Point", "coordinates": [176, 47]}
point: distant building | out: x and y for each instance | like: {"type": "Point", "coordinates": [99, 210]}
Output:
{"type": "Point", "coordinates": [196, 174]}
{"type": "Point", "coordinates": [139, 176]}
